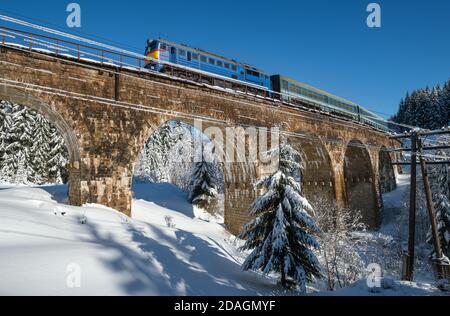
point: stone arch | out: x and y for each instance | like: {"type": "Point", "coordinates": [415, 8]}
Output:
{"type": "Point", "coordinates": [17, 96]}
{"type": "Point", "coordinates": [317, 175]}
{"type": "Point", "coordinates": [386, 171]}
{"type": "Point", "coordinates": [359, 182]}
{"type": "Point", "coordinates": [152, 123]}
{"type": "Point", "coordinates": [185, 165]}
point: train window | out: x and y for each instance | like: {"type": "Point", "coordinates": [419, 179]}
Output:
{"type": "Point", "coordinates": [182, 52]}
{"type": "Point", "coordinates": [194, 56]}
{"type": "Point", "coordinates": [211, 61]}
{"type": "Point", "coordinates": [233, 67]}
{"type": "Point", "coordinates": [163, 47]}
{"type": "Point", "coordinates": [227, 65]}
{"type": "Point", "coordinates": [203, 59]}
{"type": "Point", "coordinates": [173, 51]}
{"type": "Point", "coordinates": [252, 73]}
{"type": "Point", "coordinates": [219, 63]}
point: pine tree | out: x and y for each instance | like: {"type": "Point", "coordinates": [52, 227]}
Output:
{"type": "Point", "coordinates": [40, 150]}
{"type": "Point", "coordinates": [181, 157]}
{"type": "Point", "coordinates": [8, 168]}
{"type": "Point", "coordinates": [425, 108]}
{"type": "Point", "coordinates": [442, 205]}
{"type": "Point", "coordinates": [441, 199]}
{"type": "Point", "coordinates": [157, 150]}
{"type": "Point", "coordinates": [31, 150]}
{"type": "Point", "coordinates": [280, 235]}
{"type": "Point", "coordinates": [57, 157]}
{"type": "Point", "coordinates": [444, 100]}
{"type": "Point", "coordinates": [4, 119]}
{"type": "Point", "coordinates": [13, 151]}
{"type": "Point", "coordinates": [435, 118]}
{"type": "Point", "coordinates": [203, 186]}
{"type": "Point", "coordinates": [20, 176]}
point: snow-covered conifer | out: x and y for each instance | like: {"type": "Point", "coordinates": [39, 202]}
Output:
{"type": "Point", "coordinates": [31, 149]}
{"type": "Point", "coordinates": [281, 233]}
{"type": "Point", "coordinates": [20, 176]}
{"type": "Point", "coordinates": [204, 184]}
{"type": "Point", "coordinates": [441, 200]}
{"type": "Point", "coordinates": [57, 158]}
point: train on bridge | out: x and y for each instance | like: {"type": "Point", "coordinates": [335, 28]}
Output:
{"type": "Point", "coordinates": [170, 57]}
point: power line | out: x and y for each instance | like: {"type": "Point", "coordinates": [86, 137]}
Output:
{"type": "Point", "coordinates": [72, 30]}
{"type": "Point", "coordinates": [56, 32]}
{"type": "Point", "coordinates": [24, 23]}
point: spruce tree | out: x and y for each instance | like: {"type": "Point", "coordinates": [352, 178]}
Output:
{"type": "Point", "coordinates": [31, 150]}
{"type": "Point", "coordinates": [204, 184]}
{"type": "Point", "coordinates": [157, 150]}
{"type": "Point", "coordinates": [14, 150]}
{"type": "Point", "coordinates": [3, 130]}
{"type": "Point", "coordinates": [445, 101]}
{"type": "Point", "coordinates": [441, 199]}
{"type": "Point", "coordinates": [20, 176]}
{"type": "Point", "coordinates": [8, 168]}
{"type": "Point", "coordinates": [425, 108]}
{"type": "Point", "coordinates": [40, 150]}
{"type": "Point", "coordinates": [281, 233]}
{"type": "Point", "coordinates": [57, 157]}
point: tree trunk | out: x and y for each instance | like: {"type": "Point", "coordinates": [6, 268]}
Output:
{"type": "Point", "coordinates": [283, 275]}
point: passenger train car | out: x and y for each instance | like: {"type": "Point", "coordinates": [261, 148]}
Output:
{"type": "Point", "coordinates": [163, 55]}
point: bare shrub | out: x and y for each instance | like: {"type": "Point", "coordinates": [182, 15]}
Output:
{"type": "Point", "coordinates": [342, 264]}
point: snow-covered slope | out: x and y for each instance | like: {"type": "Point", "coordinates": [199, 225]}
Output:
{"type": "Point", "coordinates": [42, 243]}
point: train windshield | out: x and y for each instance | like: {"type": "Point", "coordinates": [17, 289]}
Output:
{"type": "Point", "coordinates": [154, 45]}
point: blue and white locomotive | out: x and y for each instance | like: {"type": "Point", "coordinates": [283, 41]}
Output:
{"type": "Point", "coordinates": [163, 55]}
{"type": "Point", "coordinates": [166, 51]}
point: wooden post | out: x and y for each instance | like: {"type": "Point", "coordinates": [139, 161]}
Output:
{"type": "Point", "coordinates": [409, 261]}
{"type": "Point", "coordinates": [440, 269]}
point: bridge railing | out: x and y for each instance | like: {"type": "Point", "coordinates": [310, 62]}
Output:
{"type": "Point", "coordinates": [82, 52]}
{"type": "Point", "coordinates": [67, 48]}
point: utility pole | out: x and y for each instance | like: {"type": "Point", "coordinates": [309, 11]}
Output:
{"type": "Point", "coordinates": [441, 269]}
{"type": "Point", "coordinates": [408, 274]}
{"type": "Point", "coordinates": [441, 264]}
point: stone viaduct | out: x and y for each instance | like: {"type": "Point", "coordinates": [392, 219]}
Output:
{"type": "Point", "coordinates": [106, 115]}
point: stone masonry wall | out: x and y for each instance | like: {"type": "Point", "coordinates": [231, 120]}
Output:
{"type": "Point", "coordinates": [110, 120]}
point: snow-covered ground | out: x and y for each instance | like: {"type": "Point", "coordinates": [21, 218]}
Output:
{"type": "Point", "coordinates": [43, 246]}
{"type": "Point", "coordinates": [384, 248]}
{"type": "Point", "coordinates": [389, 287]}
{"type": "Point", "coordinates": [42, 243]}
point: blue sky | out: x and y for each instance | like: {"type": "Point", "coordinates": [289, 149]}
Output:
{"type": "Point", "coordinates": [324, 43]}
